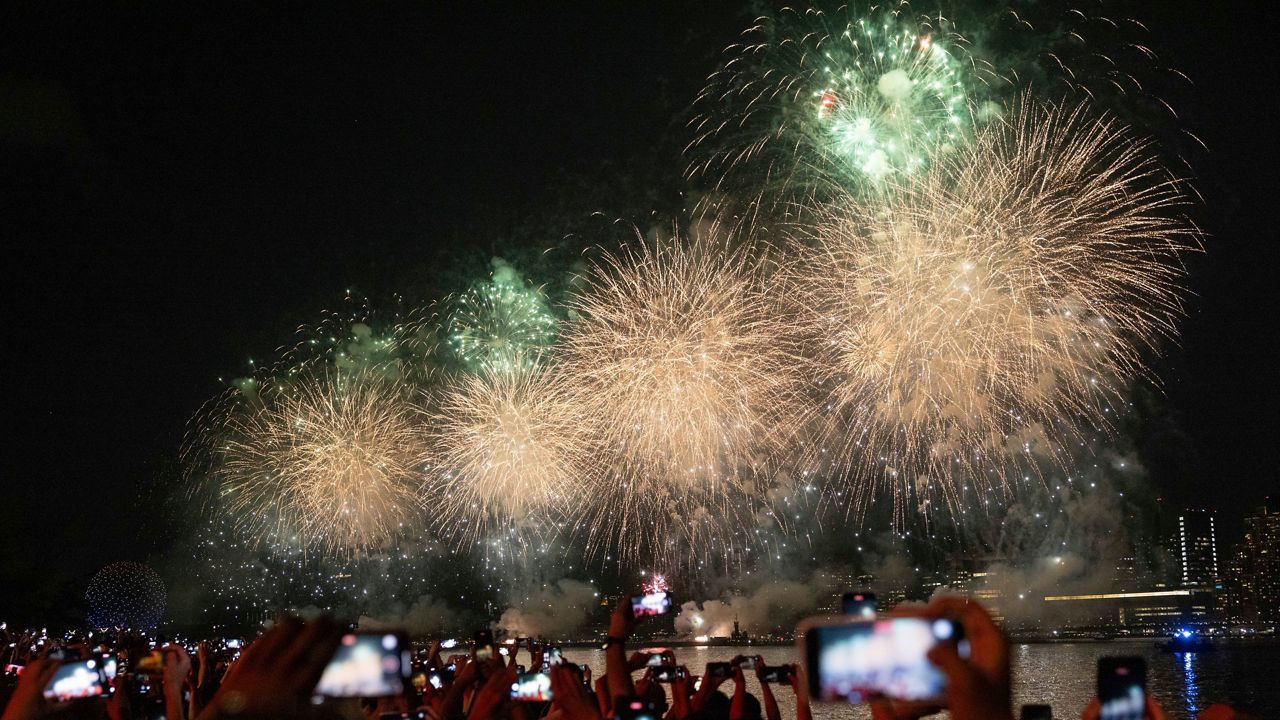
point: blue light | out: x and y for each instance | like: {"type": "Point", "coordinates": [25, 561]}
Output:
{"type": "Point", "coordinates": [1185, 634]}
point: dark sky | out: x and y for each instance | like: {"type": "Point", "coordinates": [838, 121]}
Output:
{"type": "Point", "coordinates": [184, 185]}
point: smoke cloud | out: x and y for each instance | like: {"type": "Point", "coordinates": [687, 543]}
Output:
{"type": "Point", "coordinates": [773, 608]}
{"type": "Point", "coordinates": [555, 612]}
{"type": "Point", "coordinates": [425, 616]}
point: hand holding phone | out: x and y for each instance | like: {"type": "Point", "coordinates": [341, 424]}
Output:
{"type": "Point", "coordinates": [855, 660]}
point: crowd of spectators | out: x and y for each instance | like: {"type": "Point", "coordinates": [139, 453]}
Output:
{"type": "Point", "coordinates": [276, 674]}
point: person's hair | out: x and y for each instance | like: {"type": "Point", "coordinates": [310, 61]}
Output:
{"type": "Point", "coordinates": [751, 706]}
{"type": "Point", "coordinates": [717, 706]}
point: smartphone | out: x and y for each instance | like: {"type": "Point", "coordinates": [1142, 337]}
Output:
{"type": "Point", "coordinates": [110, 665]}
{"type": "Point", "coordinates": [859, 604]}
{"type": "Point", "coordinates": [531, 687]}
{"type": "Point", "coordinates": [483, 643]}
{"type": "Point", "coordinates": [637, 708]}
{"type": "Point", "coordinates": [367, 664]}
{"type": "Point", "coordinates": [748, 662]}
{"type": "Point", "coordinates": [854, 660]}
{"type": "Point", "coordinates": [1036, 712]}
{"type": "Point", "coordinates": [650, 604]}
{"type": "Point", "coordinates": [13, 670]}
{"type": "Point", "coordinates": [1122, 688]}
{"type": "Point", "coordinates": [152, 662]}
{"type": "Point", "coordinates": [233, 643]}
{"type": "Point", "coordinates": [78, 679]}
{"type": "Point", "coordinates": [665, 673]}
{"type": "Point", "coordinates": [780, 674]}
{"type": "Point", "coordinates": [719, 670]}
{"type": "Point", "coordinates": [552, 657]}
{"type": "Point", "coordinates": [438, 678]}
{"type": "Point", "coordinates": [657, 658]}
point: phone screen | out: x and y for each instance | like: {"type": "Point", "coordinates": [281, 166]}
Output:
{"type": "Point", "coordinates": [438, 678]}
{"type": "Point", "coordinates": [1036, 712]}
{"type": "Point", "coordinates": [651, 604]}
{"type": "Point", "coordinates": [483, 643]}
{"type": "Point", "coordinates": [80, 679]}
{"type": "Point", "coordinates": [655, 659]}
{"type": "Point", "coordinates": [366, 665]}
{"type": "Point", "coordinates": [857, 660]}
{"type": "Point", "coordinates": [719, 669]}
{"type": "Point", "coordinates": [665, 673]}
{"type": "Point", "coordinates": [635, 708]}
{"type": "Point", "coordinates": [531, 687]}
{"type": "Point", "coordinates": [777, 673]}
{"type": "Point", "coordinates": [859, 604]}
{"type": "Point", "coordinates": [1122, 688]}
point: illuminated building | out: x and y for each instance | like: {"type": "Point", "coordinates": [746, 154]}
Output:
{"type": "Point", "coordinates": [1151, 610]}
{"type": "Point", "coordinates": [1196, 548]}
{"type": "Point", "coordinates": [1253, 570]}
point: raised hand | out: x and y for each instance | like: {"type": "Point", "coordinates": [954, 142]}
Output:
{"type": "Point", "coordinates": [28, 701]}
{"type": "Point", "coordinates": [978, 688]}
{"type": "Point", "coordinates": [276, 675]}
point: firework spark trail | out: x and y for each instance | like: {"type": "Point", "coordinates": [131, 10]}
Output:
{"type": "Point", "coordinates": [511, 446]}
{"type": "Point", "coordinates": [808, 105]}
{"type": "Point", "coordinates": [496, 325]}
{"type": "Point", "coordinates": [991, 304]}
{"type": "Point", "coordinates": [326, 461]}
{"type": "Point", "coordinates": [686, 370]}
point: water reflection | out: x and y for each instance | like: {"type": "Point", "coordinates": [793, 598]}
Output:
{"type": "Point", "coordinates": [1192, 691]}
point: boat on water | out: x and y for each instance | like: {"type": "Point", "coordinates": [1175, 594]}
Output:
{"type": "Point", "coordinates": [1186, 641]}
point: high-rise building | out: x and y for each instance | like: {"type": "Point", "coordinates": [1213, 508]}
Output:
{"type": "Point", "coordinates": [1196, 547]}
{"type": "Point", "coordinates": [1253, 569]}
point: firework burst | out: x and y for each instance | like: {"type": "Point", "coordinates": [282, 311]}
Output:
{"type": "Point", "coordinates": [685, 367]}
{"type": "Point", "coordinates": [807, 105]}
{"type": "Point", "coordinates": [991, 305]}
{"type": "Point", "coordinates": [511, 446]}
{"type": "Point", "coordinates": [325, 461]}
{"type": "Point", "coordinates": [500, 326]}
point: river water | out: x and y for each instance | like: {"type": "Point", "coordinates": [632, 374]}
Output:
{"type": "Point", "coordinates": [1063, 675]}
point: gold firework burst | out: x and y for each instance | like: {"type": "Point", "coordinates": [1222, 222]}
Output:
{"type": "Point", "coordinates": [687, 370]}
{"type": "Point", "coordinates": [325, 460]}
{"type": "Point", "coordinates": [988, 309]}
{"type": "Point", "coordinates": [512, 446]}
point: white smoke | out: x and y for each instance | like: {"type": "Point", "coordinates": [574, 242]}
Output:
{"type": "Point", "coordinates": [775, 607]}
{"type": "Point", "coordinates": [426, 616]}
{"type": "Point", "coordinates": [555, 612]}
{"type": "Point", "coordinates": [895, 85]}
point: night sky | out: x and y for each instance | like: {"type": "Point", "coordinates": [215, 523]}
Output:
{"type": "Point", "coordinates": [183, 186]}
